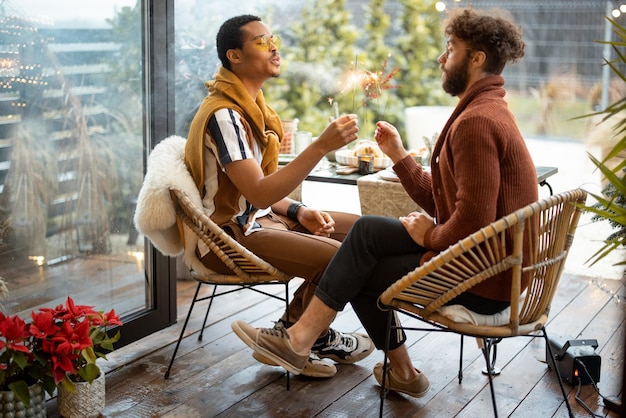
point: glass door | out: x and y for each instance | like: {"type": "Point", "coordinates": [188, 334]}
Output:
{"type": "Point", "coordinates": [77, 91]}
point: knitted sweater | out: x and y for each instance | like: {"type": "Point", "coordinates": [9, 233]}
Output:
{"type": "Point", "coordinates": [481, 171]}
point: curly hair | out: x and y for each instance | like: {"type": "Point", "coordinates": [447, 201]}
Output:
{"type": "Point", "coordinates": [492, 31]}
{"type": "Point", "coordinates": [229, 36]}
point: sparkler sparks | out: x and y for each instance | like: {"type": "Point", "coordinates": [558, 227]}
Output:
{"type": "Point", "coordinates": [371, 83]}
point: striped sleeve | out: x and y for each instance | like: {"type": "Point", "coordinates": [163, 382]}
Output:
{"type": "Point", "coordinates": [229, 136]}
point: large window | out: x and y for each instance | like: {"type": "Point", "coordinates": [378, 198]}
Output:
{"type": "Point", "coordinates": [73, 139]}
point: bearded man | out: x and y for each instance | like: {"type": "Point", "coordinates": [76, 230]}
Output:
{"type": "Point", "coordinates": [481, 170]}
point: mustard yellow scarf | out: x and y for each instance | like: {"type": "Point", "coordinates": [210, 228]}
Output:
{"type": "Point", "coordinates": [260, 121]}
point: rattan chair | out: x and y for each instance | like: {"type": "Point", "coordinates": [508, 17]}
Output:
{"type": "Point", "coordinates": [249, 271]}
{"type": "Point", "coordinates": [548, 224]}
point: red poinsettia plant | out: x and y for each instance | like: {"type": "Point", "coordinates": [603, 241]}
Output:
{"type": "Point", "coordinates": [58, 346]}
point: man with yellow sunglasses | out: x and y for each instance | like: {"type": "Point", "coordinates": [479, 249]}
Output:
{"type": "Point", "coordinates": [232, 153]}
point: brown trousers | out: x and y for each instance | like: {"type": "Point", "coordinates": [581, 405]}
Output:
{"type": "Point", "coordinates": [288, 246]}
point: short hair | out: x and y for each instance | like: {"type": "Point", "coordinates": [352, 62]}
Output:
{"type": "Point", "coordinates": [492, 31]}
{"type": "Point", "coordinates": [230, 36]}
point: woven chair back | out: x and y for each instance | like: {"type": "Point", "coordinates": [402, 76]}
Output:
{"type": "Point", "coordinates": [245, 265]}
{"type": "Point", "coordinates": [545, 228]}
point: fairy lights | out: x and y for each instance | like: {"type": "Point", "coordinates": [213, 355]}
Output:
{"type": "Point", "coordinates": [600, 284]}
{"type": "Point", "coordinates": [618, 11]}
{"type": "Point", "coordinates": [8, 63]}
{"type": "Point", "coordinates": [40, 260]}
{"type": "Point", "coordinates": [138, 256]}
{"type": "Point", "coordinates": [19, 33]}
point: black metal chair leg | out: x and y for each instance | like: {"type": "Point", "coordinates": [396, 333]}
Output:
{"type": "Point", "coordinates": [486, 352]}
{"type": "Point", "coordinates": [383, 389]}
{"type": "Point", "coordinates": [461, 362]}
{"type": "Point", "coordinates": [558, 374]}
{"type": "Point", "coordinates": [287, 316]}
{"type": "Point", "coordinates": [182, 332]}
{"type": "Point", "coordinates": [206, 316]}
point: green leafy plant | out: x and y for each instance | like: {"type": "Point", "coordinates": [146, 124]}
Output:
{"type": "Point", "coordinates": [317, 48]}
{"type": "Point", "coordinates": [611, 206]}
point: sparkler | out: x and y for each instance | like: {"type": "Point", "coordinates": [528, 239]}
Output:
{"type": "Point", "coordinates": [372, 83]}
{"type": "Point", "coordinates": [335, 107]}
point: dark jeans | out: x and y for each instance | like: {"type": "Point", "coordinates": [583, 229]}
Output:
{"type": "Point", "coordinates": [376, 253]}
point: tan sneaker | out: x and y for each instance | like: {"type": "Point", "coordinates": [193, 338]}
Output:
{"type": "Point", "coordinates": [272, 343]}
{"type": "Point", "coordinates": [417, 387]}
{"type": "Point", "coordinates": [314, 367]}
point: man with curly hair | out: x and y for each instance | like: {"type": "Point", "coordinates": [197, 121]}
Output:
{"type": "Point", "coordinates": [481, 170]}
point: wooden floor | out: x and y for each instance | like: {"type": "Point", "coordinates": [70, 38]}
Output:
{"type": "Point", "coordinates": [218, 376]}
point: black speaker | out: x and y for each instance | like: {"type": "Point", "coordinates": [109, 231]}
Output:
{"type": "Point", "coordinates": [576, 361]}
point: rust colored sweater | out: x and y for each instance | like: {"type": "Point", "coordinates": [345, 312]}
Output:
{"type": "Point", "coordinates": [481, 171]}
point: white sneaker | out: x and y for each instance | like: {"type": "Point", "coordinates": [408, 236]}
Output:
{"type": "Point", "coordinates": [344, 348]}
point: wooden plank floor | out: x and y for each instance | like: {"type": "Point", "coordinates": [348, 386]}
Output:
{"type": "Point", "coordinates": [218, 376]}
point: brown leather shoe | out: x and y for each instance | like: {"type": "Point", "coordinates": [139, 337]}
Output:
{"type": "Point", "coordinates": [417, 387]}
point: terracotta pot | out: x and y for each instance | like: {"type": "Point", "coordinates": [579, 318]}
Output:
{"type": "Point", "coordinates": [86, 402]}
{"type": "Point", "coordinates": [11, 407]}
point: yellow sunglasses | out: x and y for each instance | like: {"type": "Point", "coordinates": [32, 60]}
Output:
{"type": "Point", "coordinates": [264, 42]}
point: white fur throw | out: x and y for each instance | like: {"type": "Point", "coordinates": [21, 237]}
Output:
{"type": "Point", "coordinates": [154, 215]}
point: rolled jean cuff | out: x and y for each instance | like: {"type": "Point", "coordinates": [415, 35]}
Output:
{"type": "Point", "coordinates": [328, 301]}
{"type": "Point", "coordinates": [397, 337]}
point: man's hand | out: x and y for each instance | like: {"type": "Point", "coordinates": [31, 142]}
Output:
{"type": "Point", "coordinates": [338, 133]}
{"type": "Point", "coordinates": [389, 141]}
{"type": "Point", "coordinates": [317, 222]}
{"type": "Point", "coordinates": [417, 224]}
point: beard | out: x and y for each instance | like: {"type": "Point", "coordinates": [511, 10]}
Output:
{"type": "Point", "coordinates": [456, 78]}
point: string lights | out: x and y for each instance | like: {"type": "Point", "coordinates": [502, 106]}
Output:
{"type": "Point", "coordinates": [18, 34]}
{"type": "Point", "coordinates": [618, 11]}
{"type": "Point", "coordinates": [616, 297]}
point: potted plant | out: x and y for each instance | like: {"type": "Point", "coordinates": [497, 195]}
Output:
{"type": "Point", "coordinates": [57, 347]}
{"type": "Point", "coordinates": [82, 388]}
{"type": "Point", "coordinates": [25, 366]}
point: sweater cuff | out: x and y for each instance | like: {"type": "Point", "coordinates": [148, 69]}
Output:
{"type": "Point", "coordinates": [405, 166]}
{"type": "Point", "coordinates": [427, 237]}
